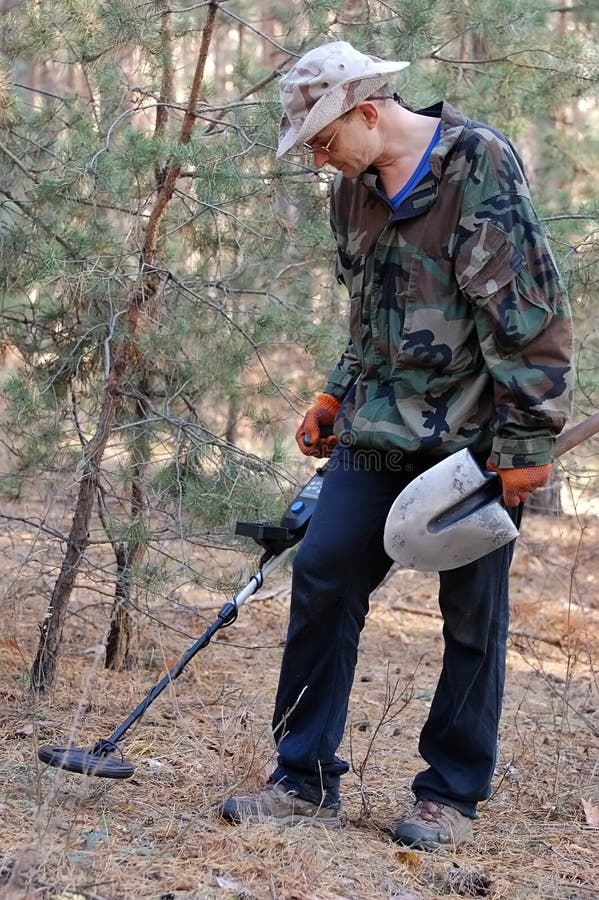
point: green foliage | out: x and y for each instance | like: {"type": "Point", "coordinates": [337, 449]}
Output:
{"type": "Point", "coordinates": [126, 531]}
{"type": "Point", "coordinates": [33, 432]}
{"type": "Point", "coordinates": [214, 486]}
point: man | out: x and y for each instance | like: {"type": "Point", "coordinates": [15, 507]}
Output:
{"type": "Point", "coordinates": [459, 337]}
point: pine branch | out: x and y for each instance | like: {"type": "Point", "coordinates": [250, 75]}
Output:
{"type": "Point", "coordinates": [128, 112]}
{"type": "Point", "coordinates": [278, 388]}
{"type": "Point", "coordinates": [266, 80]}
{"type": "Point", "coordinates": [579, 7]}
{"type": "Point", "coordinates": [560, 216]}
{"type": "Point", "coordinates": [201, 435]}
{"type": "Point", "coordinates": [201, 5]}
{"type": "Point", "coordinates": [71, 250]}
{"type": "Point", "coordinates": [17, 162]}
{"type": "Point", "coordinates": [509, 58]}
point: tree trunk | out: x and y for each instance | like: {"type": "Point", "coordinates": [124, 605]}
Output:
{"type": "Point", "coordinates": [43, 672]}
{"type": "Point", "coordinates": [128, 555]}
{"type": "Point", "coordinates": [119, 635]}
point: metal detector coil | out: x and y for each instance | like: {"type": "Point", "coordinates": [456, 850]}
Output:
{"type": "Point", "coordinates": [105, 759]}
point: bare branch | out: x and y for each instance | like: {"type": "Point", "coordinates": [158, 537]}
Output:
{"type": "Point", "coordinates": [261, 34]}
{"type": "Point", "coordinates": [17, 163]}
{"type": "Point", "coordinates": [509, 57]}
{"type": "Point", "coordinates": [36, 90]}
{"type": "Point", "coordinates": [39, 526]}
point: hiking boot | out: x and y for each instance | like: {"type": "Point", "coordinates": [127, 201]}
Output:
{"type": "Point", "coordinates": [434, 826]}
{"type": "Point", "coordinates": [273, 804]}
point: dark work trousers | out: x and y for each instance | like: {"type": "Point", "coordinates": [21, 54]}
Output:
{"type": "Point", "coordinates": [340, 561]}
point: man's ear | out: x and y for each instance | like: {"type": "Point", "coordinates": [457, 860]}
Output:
{"type": "Point", "coordinates": [369, 111]}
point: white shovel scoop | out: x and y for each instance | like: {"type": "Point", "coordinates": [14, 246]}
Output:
{"type": "Point", "coordinates": [453, 513]}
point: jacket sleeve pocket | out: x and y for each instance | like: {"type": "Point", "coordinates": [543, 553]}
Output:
{"type": "Point", "coordinates": [493, 275]}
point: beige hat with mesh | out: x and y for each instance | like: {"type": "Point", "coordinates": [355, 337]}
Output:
{"type": "Point", "coordinates": [324, 84]}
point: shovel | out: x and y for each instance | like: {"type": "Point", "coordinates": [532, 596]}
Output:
{"type": "Point", "coordinates": [453, 513]}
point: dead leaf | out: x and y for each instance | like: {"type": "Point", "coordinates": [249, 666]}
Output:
{"type": "Point", "coordinates": [591, 813]}
{"type": "Point", "coordinates": [408, 858]}
{"type": "Point", "coordinates": [11, 657]}
{"type": "Point", "coordinates": [9, 645]}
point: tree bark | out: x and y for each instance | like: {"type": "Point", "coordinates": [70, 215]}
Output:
{"type": "Point", "coordinates": [119, 634]}
{"type": "Point", "coordinates": [130, 553]}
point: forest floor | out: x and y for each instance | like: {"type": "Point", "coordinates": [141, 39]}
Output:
{"type": "Point", "coordinates": [157, 835]}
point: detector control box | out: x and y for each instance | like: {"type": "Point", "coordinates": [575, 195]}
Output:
{"type": "Point", "coordinates": [294, 521]}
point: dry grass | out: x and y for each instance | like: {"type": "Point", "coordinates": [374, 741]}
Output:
{"type": "Point", "coordinates": [158, 836]}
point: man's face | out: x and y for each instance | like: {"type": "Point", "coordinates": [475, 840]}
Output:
{"type": "Point", "coordinates": [343, 144]}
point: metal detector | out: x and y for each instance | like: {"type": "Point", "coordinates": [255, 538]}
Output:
{"type": "Point", "coordinates": [106, 759]}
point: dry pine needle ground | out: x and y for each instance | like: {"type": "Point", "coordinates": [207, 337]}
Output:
{"type": "Point", "coordinates": [157, 835]}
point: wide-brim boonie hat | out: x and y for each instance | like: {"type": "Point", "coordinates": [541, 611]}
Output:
{"type": "Point", "coordinates": [323, 85]}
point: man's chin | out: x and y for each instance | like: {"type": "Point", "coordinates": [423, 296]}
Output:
{"type": "Point", "coordinates": [350, 171]}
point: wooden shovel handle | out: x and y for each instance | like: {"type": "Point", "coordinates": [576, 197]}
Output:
{"type": "Point", "coordinates": [576, 435]}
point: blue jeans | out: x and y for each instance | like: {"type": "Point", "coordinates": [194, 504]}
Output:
{"type": "Point", "coordinates": [340, 561]}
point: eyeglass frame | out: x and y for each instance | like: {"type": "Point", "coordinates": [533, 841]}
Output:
{"type": "Point", "coordinates": [326, 148]}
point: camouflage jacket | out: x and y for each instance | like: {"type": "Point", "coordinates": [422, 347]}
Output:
{"type": "Point", "coordinates": [460, 331]}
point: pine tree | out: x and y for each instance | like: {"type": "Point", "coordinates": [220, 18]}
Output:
{"type": "Point", "coordinates": [168, 284]}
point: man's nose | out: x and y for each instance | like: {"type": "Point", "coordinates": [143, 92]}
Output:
{"type": "Point", "coordinates": [320, 158]}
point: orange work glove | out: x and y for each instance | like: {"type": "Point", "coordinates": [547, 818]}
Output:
{"type": "Point", "coordinates": [319, 417]}
{"type": "Point", "coordinates": [518, 484]}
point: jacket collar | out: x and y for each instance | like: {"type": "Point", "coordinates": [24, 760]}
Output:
{"type": "Point", "coordinates": [452, 126]}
